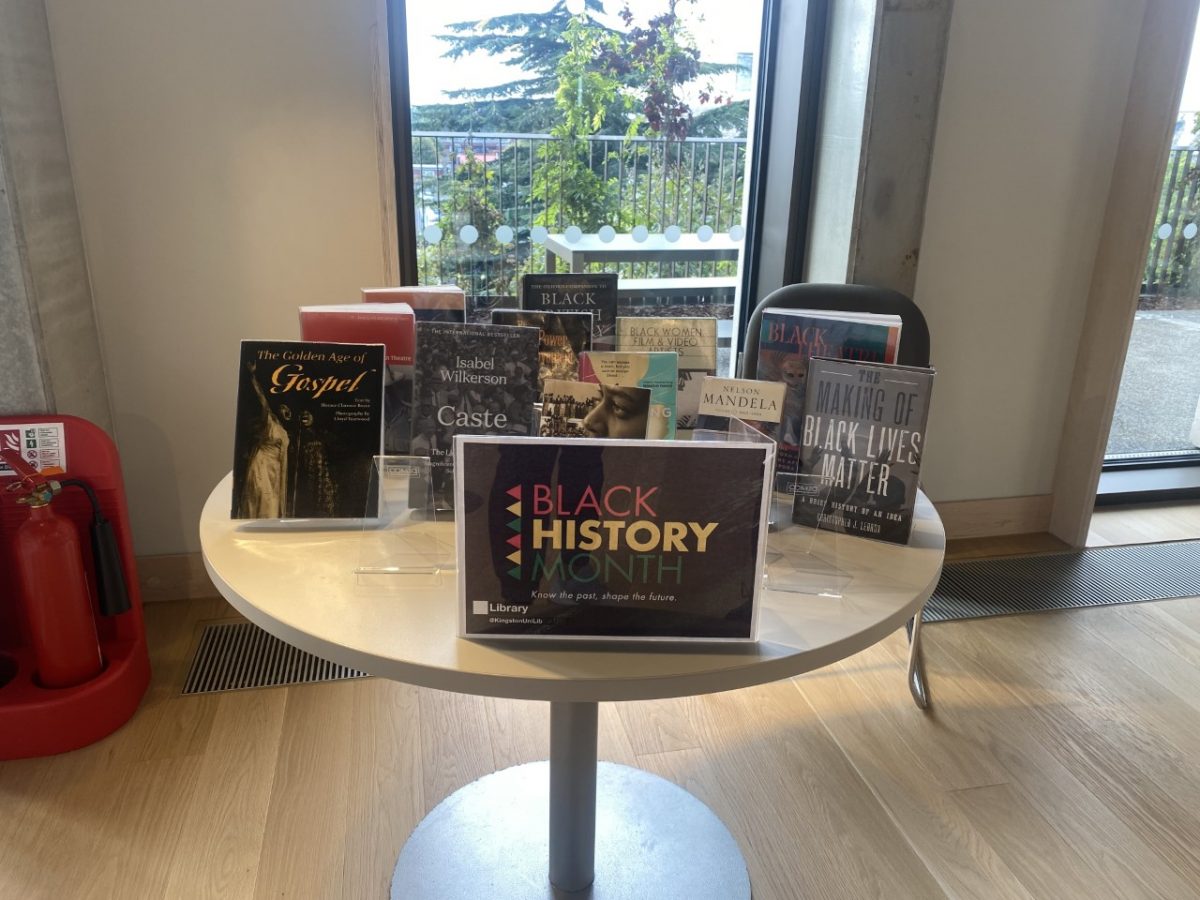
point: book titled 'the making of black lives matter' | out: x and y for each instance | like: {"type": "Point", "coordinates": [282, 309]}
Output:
{"type": "Point", "coordinates": [309, 425]}
{"type": "Point", "coordinates": [470, 379]}
{"type": "Point", "coordinates": [581, 538]}
{"type": "Point", "coordinates": [864, 435]}
{"type": "Point", "coordinates": [596, 294]}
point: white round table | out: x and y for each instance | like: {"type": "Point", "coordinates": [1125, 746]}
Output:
{"type": "Point", "coordinates": [637, 835]}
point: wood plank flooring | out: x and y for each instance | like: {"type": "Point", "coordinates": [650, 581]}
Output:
{"type": "Point", "coordinates": [1059, 761]}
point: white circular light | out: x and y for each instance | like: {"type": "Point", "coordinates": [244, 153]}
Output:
{"type": "Point", "coordinates": [607, 234]}
{"type": "Point", "coordinates": [432, 234]}
{"type": "Point", "coordinates": [504, 234]}
{"type": "Point", "coordinates": [736, 233]}
{"type": "Point", "coordinates": [640, 233]}
{"type": "Point", "coordinates": [538, 234]}
{"type": "Point", "coordinates": [704, 232]}
{"type": "Point", "coordinates": [573, 234]}
{"type": "Point", "coordinates": [1164, 231]}
{"type": "Point", "coordinates": [673, 233]}
{"type": "Point", "coordinates": [1189, 230]}
{"type": "Point", "coordinates": [469, 234]}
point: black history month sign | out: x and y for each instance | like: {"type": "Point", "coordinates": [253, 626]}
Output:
{"type": "Point", "coordinates": [610, 539]}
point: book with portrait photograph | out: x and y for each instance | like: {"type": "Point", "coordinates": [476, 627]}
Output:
{"type": "Point", "coordinates": [693, 338]}
{"type": "Point", "coordinates": [470, 379]}
{"type": "Point", "coordinates": [864, 435]}
{"type": "Point", "coordinates": [657, 371]}
{"type": "Point", "coordinates": [788, 338]}
{"type": "Point", "coordinates": [564, 336]}
{"type": "Point", "coordinates": [582, 409]}
{"type": "Point", "coordinates": [390, 324]}
{"type": "Point", "coordinates": [595, 293]}
{"type": "Point", "coordinates": [308, 428]}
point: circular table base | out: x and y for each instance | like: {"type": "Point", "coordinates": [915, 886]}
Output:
{"type": "Point", "coordinates": [489, 840]}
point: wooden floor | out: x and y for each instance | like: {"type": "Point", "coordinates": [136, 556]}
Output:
{"type": "Point", "coordinates": [1061, 760]}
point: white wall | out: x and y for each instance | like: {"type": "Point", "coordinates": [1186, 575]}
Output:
{"type": "Point", "coordinates": [1031, 108]}
{"type": "Point", "coordinates": [224, 154]}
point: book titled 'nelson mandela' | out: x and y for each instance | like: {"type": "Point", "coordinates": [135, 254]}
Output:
{"type": "Point", "coordinates": [470, 379]}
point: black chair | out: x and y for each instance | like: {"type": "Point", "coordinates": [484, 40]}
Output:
{"type": "Point", "coordinates": [914, 351]}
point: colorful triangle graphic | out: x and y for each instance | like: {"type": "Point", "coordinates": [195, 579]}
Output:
{"type": "Point", "coordinates": [515, 572]}
{"type": "Point", "coordinates": [514, 557]}
{"type": "Point", "coordinates": [515, 525]}
{"type": "Point", "coordinates": [515, 492]}
{"type": "Point", "coordinates": [515, 509]}
{"type": "Point", "coordinates": [514, 541]}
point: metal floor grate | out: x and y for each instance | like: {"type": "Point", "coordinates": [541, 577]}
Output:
{"type": "Point", "coordinates": [236, 656]}
{"type": "Point", "coordinates": [1099, 576]}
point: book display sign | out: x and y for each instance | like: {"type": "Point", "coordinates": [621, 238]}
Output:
{"type": "Point", "coordinates": [609, 539]}
{"type": "Point", "coordinates": [863, 436]}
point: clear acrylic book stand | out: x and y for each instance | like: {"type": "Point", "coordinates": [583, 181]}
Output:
{"type": "Point", "coordinates": [799, 559]}
{"type": "Point", "coordinates": [401, 533]}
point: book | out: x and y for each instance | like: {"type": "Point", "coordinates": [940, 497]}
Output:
{"type": "Point", "coordinates": [430, 303]}
{"type": "Point", "coordinates": [390, 324]}
{"type": "Point", "coordinates": [789, 337]}
{"type": "Point", "coordinates": [757, 403]}
{"type": "Point", "coordinates": [470, 379]}
{"type": "Point", "coordinates": [564, 336]}
{"type": "Point", "coordinates": [657, 371]}
{"type": "Point", "coordinates": [864, 435]}
{"type": "Point", "coordinates": [694, 339]}
{"type": "Point", "coordinates": [579, 409]}
{"type": "Point", "coordinates": [307, 431]}
{"type": "Point", "coordinates": [596, 294]}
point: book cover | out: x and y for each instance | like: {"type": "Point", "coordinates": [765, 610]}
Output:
{"type": "Point", "coordinates": [470, 379]}
{"type": "Point", "coordinates": [789, 337]}
{"type": "Point", "coordinates": [596, 294]}
{"type": "Point", "coordinates": [601, 539]}
{"type": "Point", "coordinates": [390, 324]}
{"type": "Point", "coordinates": [309, 420]}
{"type": "Point", "coordinates": [581, 409]}
{"type": "Point", "coordinates": [757, 403]}
{"type": "Point", "coordinates": [430, 303]}
{"type": "Point", "coordinates": [657, 371]}
{"type": "Point", "coordinates": [693, 338]}
{"type": "Point", "coordinates": [864, 434]}
{"type": "Point", "coordinates": [564, 336]}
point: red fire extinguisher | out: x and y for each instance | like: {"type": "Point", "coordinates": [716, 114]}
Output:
{"type": "Point", "coordinates": [54, 585]}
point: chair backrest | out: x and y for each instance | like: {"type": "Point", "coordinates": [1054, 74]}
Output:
{"type": "Point", "coordinates": [914, 333]}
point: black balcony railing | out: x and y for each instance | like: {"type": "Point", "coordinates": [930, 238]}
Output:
{"type": "Point", "coordinates": [515, 183]}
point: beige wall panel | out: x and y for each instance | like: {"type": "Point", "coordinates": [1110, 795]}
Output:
{"type": "Point", "coordinates": [226, 164]}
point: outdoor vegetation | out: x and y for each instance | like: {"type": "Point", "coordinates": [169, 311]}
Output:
{"type": "Point", "coordinates": [619, 126]}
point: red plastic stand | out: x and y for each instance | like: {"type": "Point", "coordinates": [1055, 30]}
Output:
{"type": "Point", "coordinates": [36, 721]}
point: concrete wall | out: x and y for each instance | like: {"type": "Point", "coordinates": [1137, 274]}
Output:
{"type": "Point", "coordinates": [1032, 104]}
{"type": "Point", "coordinates": [225, 158]}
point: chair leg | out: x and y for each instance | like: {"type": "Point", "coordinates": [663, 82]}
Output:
{"type": "Point", "coordinates": [918, 685]}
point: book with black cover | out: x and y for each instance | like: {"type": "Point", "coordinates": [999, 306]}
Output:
{"type": "Point", "coordinates": [864, 434]}
{"type": "Point", "coordinates": [789, 337]}
{"type": "Point", "coordinates": [309, 421]}
{"type": "Point", "coordinates": [564, 336]}
{"type": "Point", "coordinates": [470, 379]}
{"type": "Point", "coordinates": [596, 294]}
{"type": "Point", "coordinates": [693, 338]}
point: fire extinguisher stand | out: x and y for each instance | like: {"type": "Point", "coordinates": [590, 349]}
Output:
{"type": "Point", "coordinates": [36, 720]}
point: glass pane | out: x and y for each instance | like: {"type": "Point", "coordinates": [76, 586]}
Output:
{"type": "Point", "coordinates": [1158, 411]}
{"type": "Point", "coordinates": [546, 132]}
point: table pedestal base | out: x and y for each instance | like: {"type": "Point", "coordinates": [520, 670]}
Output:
{"type": "Point", "coordinates": [490, 840]}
